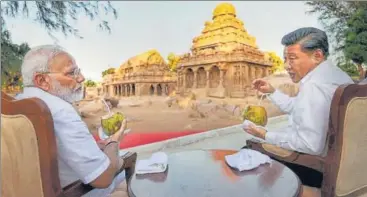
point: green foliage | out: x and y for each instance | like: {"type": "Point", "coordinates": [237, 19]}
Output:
{"type": "Point", "coordinates": [334, 16]}
{"type": "Point", "coordinates": [348, 67]}
{"type": "Point", "coordinates": [11, 60]}
{"type": "Point", "coordinates": [90, 83]}
{"type": "Point", "coordinates": [108, 71]}
{"type": "Point", "coordinates": [346, 24]}
{"type": "Point", "coordinates": [173, 61]}
{"type": "Point", "coordinates": [356, 37]}
{"type": "Point", "coordinates": [278, 64]}
{"type": "Point", "coordinates": [55, 16]}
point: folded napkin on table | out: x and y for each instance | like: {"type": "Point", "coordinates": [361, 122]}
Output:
{"type": "Point", "coordinates": [247, 159]}
{"type": "Point", "coordinates": [155, 164]}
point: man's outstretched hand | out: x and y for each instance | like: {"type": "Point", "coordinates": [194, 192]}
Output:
{"type": "Point", "coordinates": [120, 133]}
{"type": "Point", "coordinates": [263, 86]}
{"type": "Point", "coordinates": [255, 131]}
{"type": "Point", "coordinates": [118, 136]}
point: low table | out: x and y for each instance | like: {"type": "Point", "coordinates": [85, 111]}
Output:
{"type": "Point", "coordinates": [204, 173]}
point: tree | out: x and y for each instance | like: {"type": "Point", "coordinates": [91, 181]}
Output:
{"type": "Point", "coordinates": [11, 60]}
{"type": "Point", "coordinates": [334, 16]}
{"type": "Point", "coordinates": [355, 47]}
{"type": "Point", "coordinates": [108, 71]}
{"type": "Point", "coordinates": [278, 64]}
{"type": "Point", "coordinates": [55, 15]}
{"type": "Point", "coordinates": [90, 83]}
{"type": "Point", "coordinates": [173, 61]}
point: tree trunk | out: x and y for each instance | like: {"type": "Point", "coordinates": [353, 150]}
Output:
{"type": "Point", "coordinates": [361, 72]}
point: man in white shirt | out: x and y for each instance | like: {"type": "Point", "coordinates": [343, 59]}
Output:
{"type": "Point", "coordinates": [305, 54]}
{"type": "Point", "coordinates": [51, 74]}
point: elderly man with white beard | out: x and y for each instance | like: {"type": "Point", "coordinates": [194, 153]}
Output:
{"type": "Point", "coordinates": [51, 74]}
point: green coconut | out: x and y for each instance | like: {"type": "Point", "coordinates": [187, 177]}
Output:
{"type": "Point", "coordinates": [256, 114]}
{"type": "Point", "coordinates": [112, 123]}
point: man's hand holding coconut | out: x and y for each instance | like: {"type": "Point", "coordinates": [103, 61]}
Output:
{"type": "Point", "coordinates": [255, 117]}
{"type": "Point", "coordinates": [114, 126]}
{"type": "Point", "coordinates": [114, 136]}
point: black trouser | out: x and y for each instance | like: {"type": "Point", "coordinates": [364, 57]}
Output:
{"type": "Point", "coordinates": [308, 176]}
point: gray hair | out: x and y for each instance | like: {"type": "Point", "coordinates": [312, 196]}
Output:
{"type": "Point", "coordinates": [309, 38]}
{"type": "Point", "coordinates": [37, 60]}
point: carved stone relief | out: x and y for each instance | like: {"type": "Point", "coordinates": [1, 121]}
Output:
{"type": "Point", "coordinates": [214, 77]}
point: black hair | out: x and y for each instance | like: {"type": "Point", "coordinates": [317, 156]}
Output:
{"type": "Point", "coordinates": [309, 38]}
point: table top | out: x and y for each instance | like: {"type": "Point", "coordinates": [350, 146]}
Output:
{"type": "Point", "coordinates": [204, 173]}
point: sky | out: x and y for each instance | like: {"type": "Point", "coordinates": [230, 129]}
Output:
{"type": "Point", "coordinates": [167, 26]}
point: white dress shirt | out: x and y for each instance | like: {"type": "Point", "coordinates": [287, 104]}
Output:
{"type": "Point", "coordinates": [79, 156]}
{"type": "Point", "coordinates": [308, 111]}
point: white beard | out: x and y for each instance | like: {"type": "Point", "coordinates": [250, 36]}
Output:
{"type": "Point", "coordinates": [67, 94]}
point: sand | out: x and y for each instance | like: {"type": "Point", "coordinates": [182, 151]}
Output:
{"type": "Point", "coordinates": [153, 114]}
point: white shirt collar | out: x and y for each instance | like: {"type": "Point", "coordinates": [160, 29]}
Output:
{"type": "Point", "coordinates": [317, 69]}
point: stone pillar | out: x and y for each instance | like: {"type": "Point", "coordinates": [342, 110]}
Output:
{"type": "Point", "coordinates": [221, 73]}
{"type": "Point", "coordinates": [266, 72]}
{"type": "Point", "coordinates": [131, 89]}
{"type": "Point", "coordinates": [111, 91]}
{"type": "Point", "coordinates": [164, 90]}
{"type": "Point", "coordinates": [246, 75]}
{"type": "Point", "coordinates": [156, 89]}
{"type": "Point", "coordinates": [184, 81]}
{"type": "Point", "coordinates": [253, 74]}
{"type": "Point", "coordinates": [260, 73]}
{"type": "Point", "coordinates": [195, 79]}
{"type": "Point", "coordinates": [126, 90]}
{"type": "Point", "coordinates": [207, 79]}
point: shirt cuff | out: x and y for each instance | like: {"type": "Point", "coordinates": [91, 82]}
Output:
{"type": "Point", "coordinates": [276, 95]}
{"type": "Point", "coordinates": [273, 138]}
{"type": "Point", "coordinates": [97, 172]}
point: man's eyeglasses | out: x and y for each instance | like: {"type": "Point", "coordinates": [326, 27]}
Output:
{"type": "Point", "coordinates": [73, 74]}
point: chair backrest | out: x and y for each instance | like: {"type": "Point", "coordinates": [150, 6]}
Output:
{"type": "Point", "coordinates": [344, 170]}
{"type": "Point", "coordinates": [28, 149]}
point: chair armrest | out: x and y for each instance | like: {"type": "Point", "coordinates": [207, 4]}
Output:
{"type": "Point", "coordinates": [310, 161]}
{"type": "Point", "coordinates": [129, 164]}
{"type": "Point", "coordinates": [78, 188]}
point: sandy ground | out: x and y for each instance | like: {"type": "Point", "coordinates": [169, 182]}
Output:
{"type": "Point", "coordinates": [153, 114]}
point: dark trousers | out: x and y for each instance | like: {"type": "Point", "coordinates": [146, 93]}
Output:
{"type": "Point", "coordinates": [308, 176]}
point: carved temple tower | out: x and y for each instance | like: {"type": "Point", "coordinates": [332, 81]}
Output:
{"type": "Point", "coordinates": [144, 74]}
{"type": "Point", "coordinates": [224, 59]}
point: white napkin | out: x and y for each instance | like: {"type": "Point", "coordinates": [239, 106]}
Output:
{"type": "Point", "coordinates": [155, 164]}
{"type": "Point", "coordinates": [247, 159]}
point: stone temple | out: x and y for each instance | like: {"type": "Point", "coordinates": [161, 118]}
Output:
{"type": "Point", "coordinates": [224, 59]}
{"type": "Point", "coordinates": [144, 74]}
